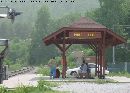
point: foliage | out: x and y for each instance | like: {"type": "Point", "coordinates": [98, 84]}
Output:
{"type": "Point", "coordinates": [45, 71]}
{"type": "Point", "coordinates": [123, 73]}
{"type": "Point", "coordinates": [26, 42]}
{"type": "Point", "coordinates": [38, 51]}
{"type": "Point", "coordinates": [71, 61]}
{"type": "Point", "coordinates": [43, 86]}
{"type": "Point", "coordinates": [14, 67]}
{"type": "Point", "coordinates": [87, 51]}
{"type": "Point", "coordinates": [46, 83]}
{"type": "Point", "coordinates": [113, 14]}
{"type": "Point", "coordinates": [19, 50]}
{"type": "Point", "coordinates": [18, 30]}
{"type": "Point", "coordinates": [103, 81]}
{"type": "Point", "coordinates": [110, 12]}
{"type": "Point", "coordinates": [18, 53]}
{"type": "Point", "coordinates": [24, 89]}
{"type": "Point", "coordinates": [2, 90]}
{"type": "Point", "coordinates": [58, 60]}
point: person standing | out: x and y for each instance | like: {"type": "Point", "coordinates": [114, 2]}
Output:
{"type": "Point", "coordinates": [52, 65]}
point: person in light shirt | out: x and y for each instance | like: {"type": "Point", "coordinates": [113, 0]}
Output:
{"type": "Point", "coordinates": [52, 65]}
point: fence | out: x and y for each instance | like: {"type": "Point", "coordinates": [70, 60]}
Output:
{"type": "Point", "coordinates": [119, 66]}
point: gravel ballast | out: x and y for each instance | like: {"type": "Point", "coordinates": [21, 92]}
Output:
{"type": "Point", "coordinates": [84, 87]}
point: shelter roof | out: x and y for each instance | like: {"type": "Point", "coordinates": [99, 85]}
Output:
{"type": "Point", "coordinates": [83, 25]}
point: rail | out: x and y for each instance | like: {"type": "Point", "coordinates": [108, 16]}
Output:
{"type": "Point", "coordinates": [21, 71]}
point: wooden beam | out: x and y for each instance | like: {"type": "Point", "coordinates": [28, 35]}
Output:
{"type": "Point", "coordinates": [93, 48]}
{"type": "Point", "coordinates": [68, 46]}
{"type": "Point", "coordinates": [61, 48]}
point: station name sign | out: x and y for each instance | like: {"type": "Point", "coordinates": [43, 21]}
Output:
{"type": "Point", "coordinates": [85, 35]}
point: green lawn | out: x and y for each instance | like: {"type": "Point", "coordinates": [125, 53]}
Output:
{"type": "Point", "coordinates": [123, 73]}
{"type": "Point", "coordinates": [43, 87]}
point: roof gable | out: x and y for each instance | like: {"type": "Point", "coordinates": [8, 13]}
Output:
{"type": "Point", "coordinates": [86, 23]}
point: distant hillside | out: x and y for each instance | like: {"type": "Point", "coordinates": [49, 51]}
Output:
{"type": "Point", "coordinates": [57, 9]}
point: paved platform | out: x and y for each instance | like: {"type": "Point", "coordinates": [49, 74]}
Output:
{"type": "Point", "coordinates": [47, 78]}
{"type": "Point", "coordinates": [31, 80]}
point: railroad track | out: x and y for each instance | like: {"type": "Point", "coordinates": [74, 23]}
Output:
{"type": "Point", "coordinates": [21, 71]}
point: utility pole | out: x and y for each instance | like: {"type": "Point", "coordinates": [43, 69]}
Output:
{"type": "Point", "coordinates": [113, 54]}
{"type": "Point", "coordinates": [126, 52]}
{"type": "Point", "coordinates": [113, 49]}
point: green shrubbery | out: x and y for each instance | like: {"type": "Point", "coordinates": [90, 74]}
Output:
{"type": "Point", "coordinates": [45, 71]}
{"type": "Point", "coordinates": [43, 87]}
{"type": "Point", "coordinates": [14, 67]}
{"type": "Point", "coordinates": [102, 81]}
{"type": "Point", "coordinates": [2, 90]}
{"type": "Point", "coordinates": [123, 73]}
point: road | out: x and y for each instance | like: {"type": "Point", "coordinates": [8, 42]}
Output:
{"type": "Point", "coordinates": [29, 78]}
{"type": "Point", "coordinates": [24, 79]}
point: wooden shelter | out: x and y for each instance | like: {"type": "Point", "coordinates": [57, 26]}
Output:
{"type": "Point", "coordinates": [85, 31]}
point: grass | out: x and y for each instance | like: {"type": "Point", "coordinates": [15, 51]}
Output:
{"type": "Point", "coordinates": [45, 71]}
{"type": "Point", "coordinates": [47, 83]}
{"type": "Point", "coordinates": [14, 67]}
{"type": "Point", "coordinates": [2, 90]}
{"type": "Point", "coordinates": [43, 87]}
{"type": "Point", "coordinates": [103, 81]}
{"type": "Point", "coordinates": [123, 73]}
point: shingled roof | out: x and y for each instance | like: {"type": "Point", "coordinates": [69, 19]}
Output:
{"type": "Point", "coordinates": [85, 24]}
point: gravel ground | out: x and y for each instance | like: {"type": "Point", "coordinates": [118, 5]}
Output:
{"type": "Point", "coordinates": [75, 87]}
{"type": "Point", "coordinates": [80, 87]}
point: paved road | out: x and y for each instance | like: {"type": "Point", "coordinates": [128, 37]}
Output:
{"type": "Point", "coordinates": [25, 79]}
{"type": "Point", "coordinates": [29, 78]}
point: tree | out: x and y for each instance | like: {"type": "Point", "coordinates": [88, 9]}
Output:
{"type": "Point", "coordinates": [39, 53]}
{"type": "Point", "coordinates": [110, 12]}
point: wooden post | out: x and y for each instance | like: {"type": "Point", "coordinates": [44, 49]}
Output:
{"type": "Point", "coordinates": [103, 53]}
{"type": "Point", "coordinates": [98, 69]}
{"type": "Point", "coordinates": [63, 50]}
{"type": "Point", "coordinates": [64, 65]}
{"type": "Point", "coordinates": [96, 61]}
{"type": "Point", "coordinates": [100, 62]}
{"type": "Point", "coordinates": [64, 58]}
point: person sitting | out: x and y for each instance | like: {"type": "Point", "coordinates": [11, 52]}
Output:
{"type": "Point", "coordinates": [84, 68]}
{"type": "Point", "coordinates": [57, 72]}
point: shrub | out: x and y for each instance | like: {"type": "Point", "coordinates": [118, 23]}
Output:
{"type": "Point", "coordinates": [45, 71]}
{"type": "Point", "coordinates": [2, 90]}
{"type": "Point", "coordinates": [122, 73]}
